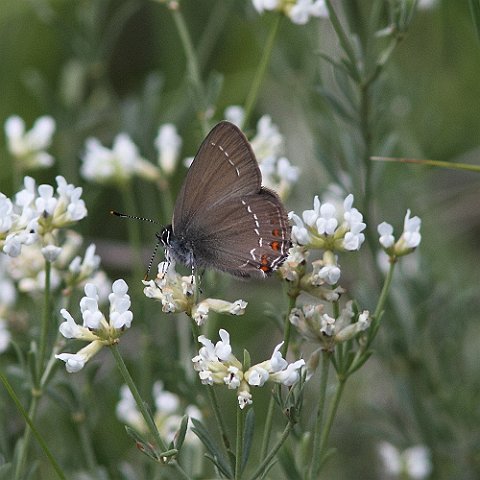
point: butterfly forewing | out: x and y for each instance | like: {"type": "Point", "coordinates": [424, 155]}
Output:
{"type": "Point", "coordinates": [224, 167]}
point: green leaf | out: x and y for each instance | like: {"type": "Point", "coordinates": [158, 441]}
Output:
{"type": "Point", "coordinates": [215, 454]}
{"type": "Point", "coordinates": [336, 105]}
{"type": "Point", "coordinates": [286, 459]}
{"type": "Point", "coordinates": [475, 11]}
{"type": "Point", "coordinates": [182, 431]}
{"type": "Point", "coordinates": [143, 445]}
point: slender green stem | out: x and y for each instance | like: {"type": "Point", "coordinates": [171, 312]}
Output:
{"type": "Point", "coordinates": [138, 399]}
{"type": "Point", "coordinates": [330, 418]}
{"type": "Point", "coordinates": [268, 458]}
{"type": "Point", "coordinates": [27, 436]}
{"type": "Point", "coordinates": [143, 410]}
{"type": "Point", "coordinates": [239, 444]}
{"type": "Point", "coordinates": [86, 444]}
{"type": "Point", "coordinates": [261, 70]}
{"type": "Point", "coordinates": [192, 65]}
{"type": "Point", "coordinates": [287, 327]}
{"type": "Point", "coordinates": [31, 428]}
{"type": "Point", "coordinates": [267, 430]}
{"type": "Point", "coordinates": [322, 393]}
{"type": "Point", "coordinates": [38, 372]}
{"type": "Point", "coordinates": [45, 321]}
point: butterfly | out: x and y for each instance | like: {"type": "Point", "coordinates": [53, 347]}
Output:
{"type": "Point", "coordinates": [223, 218]}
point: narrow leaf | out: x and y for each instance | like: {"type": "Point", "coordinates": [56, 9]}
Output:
{"type": "Point", "coordinates": [182, 431]}
{"type": "Point", "coordinates": [216, 454]}
{"type": "Point", "coordinates": [475, 11]}
{"type": "Point", "coordinates": [287, 461]}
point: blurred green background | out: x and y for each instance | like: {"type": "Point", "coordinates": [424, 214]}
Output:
{"type": "Point", "coordinates": [103, 67]}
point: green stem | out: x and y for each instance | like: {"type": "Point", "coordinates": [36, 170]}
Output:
{"type": "Point", "coordinates": [239, 444]}
{"type": "Point", "coordinates": [38, 373]}
{"type": "Point", "coordinates": [267, 430]}
{"type": "Point", "coordinates": [45, 322]}
{"type": "Point", "coordinates": [261, 70]}
{"type": "Point", "coordinates": [192, 65]}
{"type": "Point", "coordinates": [329, 421]}
{"type": "Point", "coordinates": [30, 428]}
{"type": "Point", "coordinates": [86, 444]}
{"type": "Point", "coordinates": [138, 399]}
{"type": "Point", "coordinates": [27, 436]}
{"type": "Point", "coordinates": [381, 304]}
{"type": "Point", "coordinates": [141, 405]}
{"type": "Point", "coordinates": [316, 457]}
{"type": "Point", "coordinates": [268, 458]}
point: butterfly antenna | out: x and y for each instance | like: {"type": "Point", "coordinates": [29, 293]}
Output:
{"type": "Point", "coordinates": [150, 263]}
{"type": "Point", "coordinates": [134, 217]}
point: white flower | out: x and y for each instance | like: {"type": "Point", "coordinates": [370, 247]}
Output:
{"type": "Point", "coordinates": [118, 165]}
{"type": "Point", "coordinates": [268, 141]}
{"type": "Point", "coordinates": [299, 234]}
{"type": "Point", "coordinates": [235, 114]}
{"type": "Point", "coordinates": [96, 329]}
{"type": "Point", "coordinates": [74, 362]}
{"type": "Point", "coordinates": [168, 144]}
{"type": "Point", "coordinates": [317, 326]}
{"type": "Point", "coordinates": [261, 5]}
{"type": "Point", "coordinates": [322, 227]}
{"type": "Point", "coordinates": [408, 241]}
{"type": "Point", "coordinates": [301, 12]}
{"type": "Point", "coordinates": [385, 230]}
{"type": "Point", "coordinates": [84, 268]}
{"type": "Point", "coordinates": [51, 252]}
{"type": "Point", "coordinates": [28, 147]}
{"type": "Point", "coordinates": [414, 462]}
{"type": "Point", "coordinates": [176, 294]}
{"type": "Point", "coordinates": [216, 364]}
{"type": "Point", "coordinates": [6, 213]}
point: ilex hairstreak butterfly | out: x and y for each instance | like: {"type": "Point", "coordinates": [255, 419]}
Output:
{"type": "Point", "coordinates": [223, 217]}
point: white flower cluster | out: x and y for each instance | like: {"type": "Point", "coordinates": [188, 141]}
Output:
{"type": "Point", "coordinates": [322, 228]}
{"type": "Point", "coordinates": [299, 11]}
{"type": "Point", "coordinates": [36, 213]}
{"type": "Point", "coordinates": [414, 462]}
{"type": "Point", "coordinates": [167, 413]}
{"type": "Point", "coordinates": [408, 241]}
{"type": "Point", "coordinates": [268, 145]}
{"type": "Point", "coordinates": [28, 147]}
{"type": "Point", "coordinates": [315, 325]}
{"type": "Point", "coordinates": [123, 161]}
{"type": "Point", "coordinates": [216, 364]}
{"type": "Point", "coordinates": [176, 294]}
{"type": "Point", "coordinates": [96, 329]}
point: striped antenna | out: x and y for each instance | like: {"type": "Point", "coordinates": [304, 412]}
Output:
{"type": "Point", "coordinates": [143, 219]}
{"type": "Point", "coordinates": [124, 215]}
